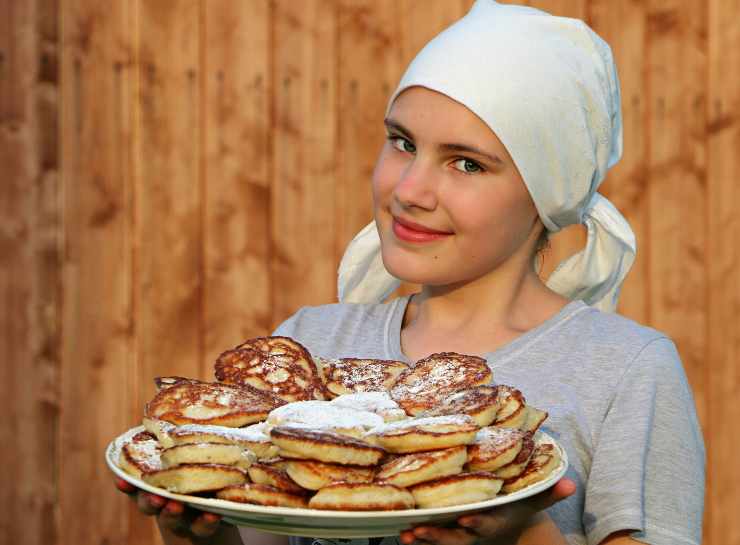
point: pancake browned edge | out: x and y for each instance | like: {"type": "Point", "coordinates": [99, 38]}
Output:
{"type": "Point", "coordinates": [419, 467]}
{"type": "Point", "coordinates": [274, 476]}
{"type": "Point", "coordinates": [431, 380]}
{"type": "Point", "coordinates": [517, 466]}
{"type": "Point", "coordinates": [352, 375]}
{"type": "Point", "coordinates": [545, 459]}
{"type": "Point", "coordinates": [141, 454]}
{"type": "Point", "coordinates": [313, 475]}
{"type": "Point", "coordinates": [261, 494]}
{"type": "Point", "coordinates": [512, 411]}
{"type": "Point", "coordinates": [190, 478]}
{"type": "Point", "coordinates": [420, 434]}
{"type": "Point", "coordinates": [165, 382]}
{"type": "Point", "coordinates": [324, 447]}
{"type": "Point", "coordinates": [481, 403]}
{"type": "Point", "coordinates": [362, 497]}
{"type": "Point", "coordinates": [279, 365]}
{"type": "Point", "coordinates": [494, 448]}
{"type": "Point", "coordinates": [195, 402]}
{"type": "Point", "coordinates": [534, 418]}
{"type": "Point", "coordinates": [456, 490]}
{"type": "Point", "coordinates": [208, 453]}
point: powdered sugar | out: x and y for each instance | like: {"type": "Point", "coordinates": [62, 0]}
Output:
{"type": "Point", "coordinates": [322, 415]}
{"type": "Point", "coordinates": [376, 402]}
{"type": "Point", "coordinates": [253, 433]}
{"type": "Point", "coordinates": [431, 421]}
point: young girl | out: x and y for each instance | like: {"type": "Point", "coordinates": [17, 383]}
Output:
{"type": "Point", "coordinates": [500, 131]}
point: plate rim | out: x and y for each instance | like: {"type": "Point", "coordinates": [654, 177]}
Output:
{"type": "Point", "coordinates": [247, 508]}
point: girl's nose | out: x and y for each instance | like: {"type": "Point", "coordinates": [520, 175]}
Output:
{"type": "Point", "coordinates": [416, 187]}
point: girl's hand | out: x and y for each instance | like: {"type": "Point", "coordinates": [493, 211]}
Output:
{"type": "Point", "coordinates": [490, 524]}
{"type": "Point", "coordinates": [172, 515]}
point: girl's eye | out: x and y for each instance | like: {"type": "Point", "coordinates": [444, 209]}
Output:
{"type": "Point", "coordinates": [401, 144]}
{"type": "Point", "coordinates": [467, 166]}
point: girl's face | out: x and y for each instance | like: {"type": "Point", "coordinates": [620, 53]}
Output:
{"type": "Point", "coordinates": [449, 202]}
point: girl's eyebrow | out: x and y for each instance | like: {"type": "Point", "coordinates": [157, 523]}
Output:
{"type": "Point", "coordinates": [392, 124]}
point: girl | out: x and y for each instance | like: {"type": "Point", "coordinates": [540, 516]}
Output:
{"type": "Point", "coordinates": [500, 131]}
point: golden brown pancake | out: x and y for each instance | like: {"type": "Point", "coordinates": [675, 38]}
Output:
{"type": "Point", "coordinates": [545, 459]}
{"type": "Point", "coordinates": [274, 476]}
{"type": "Point", "coordinates": [207, 453]}
{"type": "Point", "coordinates": [481, 403]}
{"type": "Point", "coordinates": [431, 380]}
{"type": "Point", "coordinates": [261, 494]}
{"type": "Point", "coordinates": [141, 454]}
{"type": "Point", "coordinates": [456, 490]}
{"type": "Point", "coordinates": [278, 365]}
{"type": "Point", "coordinates": [379, 403]}
{"type": "Point", "coordinates": [250, 437]}
{"type": "Point", "coordinates": [195, 402]}
{"type": "Point", "coordinates": [314, 475]}
{"type": "Point", "coordinates": [362, 497]}
{"type": "Point", "coordinates": [494, 448]}
{"type": "Point", "coordinates": [323, 416]}
{"type": "Point", "coordinates": [533, 419]}
{"type": "Point", "coordinates": [353, 375]}
{"type": "Point", "coordinates": [519, 463]}
{"type": "Point", "coordinates": [420, 434]}
{"type": "Point", "coordinates": [324, 446]}
{"type": "Point", "coordinates": [512, 408]}
{"type": "Point", "coordinates": [191, 478]}
{"type": "Point", "coordinates": [419, 467]}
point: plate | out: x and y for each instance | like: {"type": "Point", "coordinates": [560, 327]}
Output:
{"type": "Point", "coordinates": [331, 524]}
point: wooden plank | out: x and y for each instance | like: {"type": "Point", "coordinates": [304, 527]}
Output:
{"type": "Point", "coordinates": [677, 182]}
{"type": "Point", "coordinates": [723, 304]}
{"type": "Point", "coordinates": [237, 174]}
{"type": "Point", "coordinates": [369, 35]}
{"type": "Point", "coordinates": [304, 156]}
{"type": "Point", "coordinates": [29, 271]}
{"type": "Point", "coordinates": [625, 185]}
{"type": "Point", "coordinates": [98, 365]}
{"type": "Point", "coordinates": [168, 236]}
{"type": "Point", "coordinates": [422, 20]}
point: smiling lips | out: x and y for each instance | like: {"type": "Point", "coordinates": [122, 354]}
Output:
{"type": "Point", "coordinates": [413, 232]}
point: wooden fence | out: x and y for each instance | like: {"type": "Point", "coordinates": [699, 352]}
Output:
{"type": "Point", "coordinates": [177, 175]}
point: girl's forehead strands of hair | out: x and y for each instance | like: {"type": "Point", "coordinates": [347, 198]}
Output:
{"type": "Point", "coordinates": [548, 88]}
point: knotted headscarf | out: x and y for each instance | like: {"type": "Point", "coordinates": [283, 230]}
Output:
{"type": "Point", "coordinates": [547, 87]}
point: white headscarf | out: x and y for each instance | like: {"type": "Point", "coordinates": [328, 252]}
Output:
{"type": "Point", "coordinates": [548, 88]}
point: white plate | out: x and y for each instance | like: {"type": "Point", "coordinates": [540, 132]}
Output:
{"type": "Point", "coordinates": [336, 524]}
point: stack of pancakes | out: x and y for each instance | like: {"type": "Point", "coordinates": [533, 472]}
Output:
{"type": "Point", "coordinates": [282, 428]}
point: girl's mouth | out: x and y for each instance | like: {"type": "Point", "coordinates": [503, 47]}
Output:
{"type": "Point", "coordinates": [413, 232]}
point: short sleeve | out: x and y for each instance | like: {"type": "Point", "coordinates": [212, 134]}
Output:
{"type": "Point", "coordinates": [648, 467]}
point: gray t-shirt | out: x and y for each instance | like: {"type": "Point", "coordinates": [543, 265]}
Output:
{"type": "Point", "coordinates": [618, 401]}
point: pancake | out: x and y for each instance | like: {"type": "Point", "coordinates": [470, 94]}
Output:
{"type": "Point", "coordinates": [481, 403]}
{"type": "Point", "coordinates": [456, 490]}
{"type": "Point", "coordinates": [545, 459]}
{"type": "Point", "coordinates": [165, 382]}
{"type": "Point", "coordinates": [512, 408]}
{"type": "Point", "coordinates": [379, 403]}
{"type": "Point", "coordinates": [324, 447]}
{"type": "Point", "coordinates": [251, 437]}
{"type": "Point", "coordinates": [192, 478]}
{"type": "Point", "coordinates": [278, 365]}
{"type": "Point", "coordinates": [431, 380]}
{"type": "Point", "coordinates": [533, 419]}
{"type": "Point", "coordinates": [353, 375]}
{"type": "Point", "coordinates": [362, 497]}
{"type": "Point", "coordinates": [195, 402]}
{"type": "Point", "coordinates": [275, 477]}
{"type": "Point", "coordinates": [160, 429]}
{"type": "Point", "coordinates": [323, 416]}
{"type": "Point", "coordinates": [519, 463]}
{"type": "Point", "coordinates": [261, 494]}
{"type": "Point", "coordinates": [420, 434]}
{"type": "Point", "coordinates": [141, 454]}
{"type": "Point", "coordinates": [419, 467]}
{"type": "Point", "coordinates": [207, 453]}
{"type": "Point", "coordinates": [494, 448]}
{"type": "Point", "coordinates": [313, 475]}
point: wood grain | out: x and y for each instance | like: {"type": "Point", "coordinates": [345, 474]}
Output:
{"type": "Point", "coordinates": [304, 156]}
{"type": "Point", "coordinates": [30, 280]}
{"type": "Point", "coordinates": [98, 364]}
{"type": "Point", "coordinates": [723, 263]}
{"type": "Point", "coordinates": [236, 186]}
{"type": "Point", "coordinates": [626, 183]}
{"type": "Point", "coordinates": [178, 175]}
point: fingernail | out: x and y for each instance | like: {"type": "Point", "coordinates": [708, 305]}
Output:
{"type": "Point", "coordinates": [421, 532]}
{"type": "Point", "coordinates": [156, 501]}
{"type": "Point", "coordinates": [468, 522]}
{"type": "Point", "coordinates": [174, 508]}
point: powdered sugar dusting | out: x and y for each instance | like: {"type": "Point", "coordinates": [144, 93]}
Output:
{"type": "Point", "coordinates": [453, 419]}
{"type": "Point", "coordinates": [322, 415]}
{"type": "Point", "coordinates": [491, 439]}
{"type": "Point", "coordinates": [254, 433]}
{"type": "Point", "coordinates": [376, 402]}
